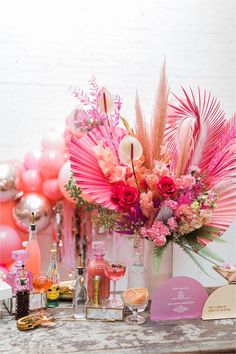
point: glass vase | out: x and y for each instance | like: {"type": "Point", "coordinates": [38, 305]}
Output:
{"type": "Point", "coordinates": [136, 276]}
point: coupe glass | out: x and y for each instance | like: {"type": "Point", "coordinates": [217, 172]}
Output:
{"type": "Point", "coordinates": [136, 299]}
{"type": "Point", "coordinates": [41, 284]}
{"type": "Point", "coordinates": [115, 271]}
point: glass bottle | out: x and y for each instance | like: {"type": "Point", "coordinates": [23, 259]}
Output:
{"type": "Point", "coordinates": [80, 295]}
{"type": "Point", "coordinates": [22, 296]}
{"type": "Point", "coordinates": [97, 266]}
{"type": "Point", "coordinates": [53, 293]}
{"type": "Point", "coordinates": [32, 246]}
{"type": "Point", "coordinates": [20, 257]}
{"type": "Point", "coordinates": [136, 276]}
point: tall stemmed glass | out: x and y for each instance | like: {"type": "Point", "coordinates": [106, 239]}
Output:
{"type": "Point", "coordinates": [41, 284]}
{"type": "Point", "coordinates": [115, 271]}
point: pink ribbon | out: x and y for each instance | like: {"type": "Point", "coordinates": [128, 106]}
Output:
{"type": "Point", "coordinates": [68, 239]}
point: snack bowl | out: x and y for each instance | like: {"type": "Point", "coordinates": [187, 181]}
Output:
{"type": "Point", "coordinates": [136, 299]}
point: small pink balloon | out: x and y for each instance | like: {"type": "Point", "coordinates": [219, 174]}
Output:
{"type": "Point", "coordinates": [68, 139]}
{"type": "Point", "coordinates": [6, 217]}
{"type": "Point", "coordinates": [3, 269]}
{"type": "Point", "coordinates": [63, 179]}
{"type": "Point", "coordinates": [31, 159]}
{"type": "Point", "coordinates": [9, 241]}
{"type": "Point", "coordinates": [51, 189]}
{"type": "Point", "coordinates": [32, 181]}
{"type": "Point", "coordinates": [53, 140]}
{"type": "Point", "coordinates": [51, 162]}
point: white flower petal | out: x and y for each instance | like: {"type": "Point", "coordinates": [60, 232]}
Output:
{"type": "Point", "coordinates": [125, 149]}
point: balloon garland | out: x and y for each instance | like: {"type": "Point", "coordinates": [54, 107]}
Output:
{"type": "Point", "coordinates": [37, 185]}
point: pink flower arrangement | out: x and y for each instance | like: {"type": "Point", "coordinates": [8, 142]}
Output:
{"type": "Point", "coordinates": [172, 183]}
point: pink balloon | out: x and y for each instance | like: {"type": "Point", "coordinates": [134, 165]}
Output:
{"type": "Point", "coordinates": [21, 169]}
{"type": "Point", "coordinates": [31, 160]}
{"type": "Point", "coordinates": [50, 163]}
{"type": "Point", "coordinates": [6, 217]}
{"type": "Point", "coordinates": [32, 181]}
{"type": "Point", "coordinates": [3, 269]}
{"type": "Point", "coordinates": [63, 179]}
{"type": "Point", "coordinates": [53, 140]}
{"type": "Point", "coordinates": [67, 136]}
{"type": "Point", "coordinates": [51, 189]}
{"type": "Point", "coordinates": [9, 241]}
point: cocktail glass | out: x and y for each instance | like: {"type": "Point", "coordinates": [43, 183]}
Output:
{"type": "Point", "coordinates": [136, 299]}
{"type": "Point", "coordinates": [41, 284]}
{"type": "Point", "coordinates": [115, 271]}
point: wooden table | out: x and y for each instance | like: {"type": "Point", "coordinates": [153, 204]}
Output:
{"type": "Point", "coordinates": [185, 336]}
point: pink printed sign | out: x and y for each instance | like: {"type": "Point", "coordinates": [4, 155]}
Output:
{"type": "Point", "coordinates": [178, 298]}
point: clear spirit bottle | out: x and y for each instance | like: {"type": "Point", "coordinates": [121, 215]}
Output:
{"type": "Point", "coordinates": [80, 295]}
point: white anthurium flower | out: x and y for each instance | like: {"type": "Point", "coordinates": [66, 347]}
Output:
{"type": "Point", "coordinates": [108, 106]}
{"type": "Point", "coordinates": [125, 149]}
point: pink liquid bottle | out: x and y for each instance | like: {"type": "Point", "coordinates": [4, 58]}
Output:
{"type": "Point", "coordinates": [97, 266]}
{"type": "Point", "coordinates": [34, 261]}
{"type": "Point", "coordinates": [20, 257]}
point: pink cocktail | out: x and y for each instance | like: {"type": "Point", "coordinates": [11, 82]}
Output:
{"type": "Point", "coordinates": [114, 272]}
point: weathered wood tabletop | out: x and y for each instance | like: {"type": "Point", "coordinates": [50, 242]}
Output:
{"type": "Point", "coordinates": [184, 336]}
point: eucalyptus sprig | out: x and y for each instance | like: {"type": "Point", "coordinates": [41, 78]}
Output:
{"type": "Point", "coordinates": [76, 194]}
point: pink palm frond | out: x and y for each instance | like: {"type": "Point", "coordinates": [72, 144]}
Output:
{"type": "Point", "coordinates": [222, 165]}
{"type": "Point", "coordinates": [225, 212]}
{"type": "Point", "coordinates": [207, 124]}
{"type": "Point", "coordinates": [85, 167]}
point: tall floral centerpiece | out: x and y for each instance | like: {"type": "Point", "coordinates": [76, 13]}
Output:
{"type": "Point", "coordinates": [167, 181]}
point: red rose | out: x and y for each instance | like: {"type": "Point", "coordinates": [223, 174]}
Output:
{"type": "Point", "coordinates": [116, 189]}
{"type": "Point", "coordinates": [128, 197]}
{"type": "Point", "coordinates": [166, 187]}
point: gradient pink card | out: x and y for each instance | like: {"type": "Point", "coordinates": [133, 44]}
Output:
{"type": "Point", "coordinates": [178, 298]}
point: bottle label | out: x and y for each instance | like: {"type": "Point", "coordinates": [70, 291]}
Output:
{"type": "Point", "coordinates": [53, 293]}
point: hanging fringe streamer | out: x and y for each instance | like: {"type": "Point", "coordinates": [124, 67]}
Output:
{"type": "Point", "coordinates": [69, 241]}
{"type": "Point", "coordinates": [80, 235]}
{"type": "Point", "coordinates": [57, 229]}
{"type": "Point", "coordinates": [89, 236]}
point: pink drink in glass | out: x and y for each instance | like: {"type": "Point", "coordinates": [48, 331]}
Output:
{"type": "Point", "coordinates": [115, 271]}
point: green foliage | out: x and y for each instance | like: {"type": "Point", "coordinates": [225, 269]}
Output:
{"type": "Point", "coordinates": [207, 253]}
{"type": "Point", "coordinates": [76, 194]}
{"type": "Point", "coordinates": [190, 253]}
{"type": "Point", "coordinates": [209, 232]}
{"type": "Point", "coordinates": [158, 255]}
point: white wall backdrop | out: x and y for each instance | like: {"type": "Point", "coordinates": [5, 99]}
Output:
{"type": "Point", "coordinates": [47, 46]}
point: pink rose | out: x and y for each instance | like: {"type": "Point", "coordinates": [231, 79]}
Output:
{"type": "Point", "coordinates": [166, 187]}
{"type": "Point", "coordinates": [128, 197]}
